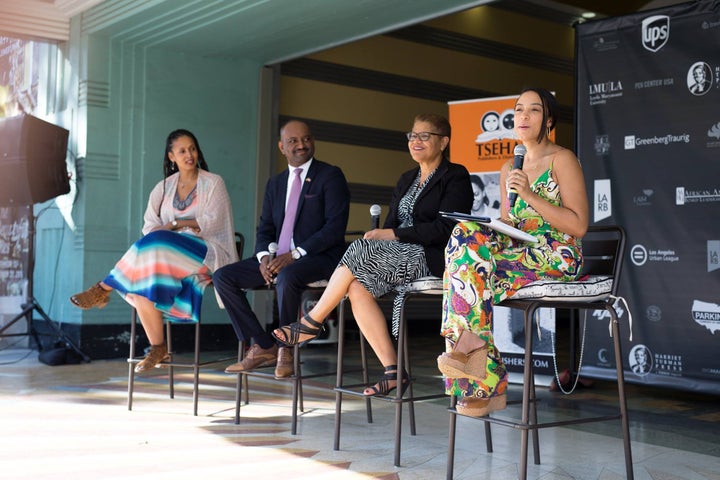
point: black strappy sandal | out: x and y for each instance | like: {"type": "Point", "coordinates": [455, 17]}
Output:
{"type": "Point", "coordinates": [383, 386]}
{"type": "Point", "coordinates": [292, 332]}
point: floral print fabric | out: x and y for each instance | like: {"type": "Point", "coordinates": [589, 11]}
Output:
{"type": "Point", "coordinates": [484, 267]}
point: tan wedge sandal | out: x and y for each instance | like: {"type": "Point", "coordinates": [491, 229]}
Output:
{"type": "Point", "coordinates": [472, 365]}
{"type": "Point", "coordinates": [479, 407]}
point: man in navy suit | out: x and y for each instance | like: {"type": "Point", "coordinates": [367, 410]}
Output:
{"type": "Point", "coordinates": [317, 243]}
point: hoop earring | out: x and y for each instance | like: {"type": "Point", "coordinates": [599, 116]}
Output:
{"type": "Point", "coordinates": [547, 133]}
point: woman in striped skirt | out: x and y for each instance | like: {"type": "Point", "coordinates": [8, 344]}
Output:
{"type": "Point", "coordinates": [188, 233]}
{"type": "Point", "coordinates": [409, 246]}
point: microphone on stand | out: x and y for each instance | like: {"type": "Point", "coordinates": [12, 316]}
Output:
{"type": "Point", "coordinates": [519, 153]}
{"type": "Point", "coordinates": [272, 250]}
{"type": "Point", "coordinates": [375, 211]}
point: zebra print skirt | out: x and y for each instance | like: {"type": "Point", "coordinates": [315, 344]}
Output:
{"type": "Point", "coordinates": [382, 266]}
{"type": "Point", "coordinates": [166, 268]}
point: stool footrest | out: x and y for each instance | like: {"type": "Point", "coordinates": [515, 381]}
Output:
{"type": "Point", "coordinates": [258, 372]}
{"type": "Point", "coordinates": [535, 426]}
{"type": "Point", "coordinates": [352, 390]}
{"type": "Point", "coordinates": [183, 364]}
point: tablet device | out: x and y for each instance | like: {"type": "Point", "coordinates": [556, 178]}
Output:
{"type": "Point", "coordinates": [495, 224]}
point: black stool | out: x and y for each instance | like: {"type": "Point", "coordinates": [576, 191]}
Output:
{"type": "Point", "coordinates": [422, 286]}
{"type": "Point", "coordinates": [268, 372]}
{"type": "Point", "coordinates": [603, 251]}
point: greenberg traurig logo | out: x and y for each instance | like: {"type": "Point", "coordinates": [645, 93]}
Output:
{"type": "Point", "coordinates": [632, 141]}
{"type": "Point", "coordinates": [684, 195]}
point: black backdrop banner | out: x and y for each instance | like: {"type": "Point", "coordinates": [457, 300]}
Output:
{"type": "Point", "coordinates": [648, 136]}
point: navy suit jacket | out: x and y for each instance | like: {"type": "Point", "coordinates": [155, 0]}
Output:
{"type": "Point", "coordinates": [322, 213]}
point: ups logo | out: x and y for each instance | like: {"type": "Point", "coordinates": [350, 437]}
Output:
{"type": "Point", "coordinates": [655, 32]}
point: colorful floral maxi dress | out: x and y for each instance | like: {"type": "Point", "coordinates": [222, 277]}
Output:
{"type": "Point", "coordinates": [484, 267]}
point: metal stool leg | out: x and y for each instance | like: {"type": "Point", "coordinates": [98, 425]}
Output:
{"type": "Point", "coordinates": [131, 364]}
{"type": "Point", "coordinates": [339, 378]}
{"type": "Point", "coordinates": [196, 369]}
{"type": "Point", "coordinates": [365, 376]}
{"type": "Point", "coordinates": [621, 394]}
{"type": "Point", "coordinates": [298, 374]}
{"type": "Point", "coordinates": [401, 360]}
{"type": "Point", "coordinates": [297, 395]}
{"type": "Point", "coordinates": [451, 440]}
{"type": "Point", "coordinates": [527, 379]}
{"type": "Point", "coordinates": [239, 385]}
{"type": "Point", "coordinates": [171, 352]}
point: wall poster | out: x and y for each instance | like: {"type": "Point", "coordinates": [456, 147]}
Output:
{"type": "Point", "coordinates": [18, 93]}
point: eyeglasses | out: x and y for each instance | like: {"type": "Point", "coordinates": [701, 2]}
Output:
{"type": "Point", "coordinates": [422, 136]}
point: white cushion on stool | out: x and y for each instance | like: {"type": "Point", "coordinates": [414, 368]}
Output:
{"type": "Point", "coordinates": [595, 287]}
{"type": "Point", "coordinates": [429, 285]}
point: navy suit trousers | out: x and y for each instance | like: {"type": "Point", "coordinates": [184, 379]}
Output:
{"type": "Point", "coordinates": [232, 281]}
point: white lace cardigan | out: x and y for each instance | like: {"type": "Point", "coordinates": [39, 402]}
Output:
{"type": "Point", "coordinates": [214, 216]}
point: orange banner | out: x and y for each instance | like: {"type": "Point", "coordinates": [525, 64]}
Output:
{"type": "Point", "coordinates": [482, 132]}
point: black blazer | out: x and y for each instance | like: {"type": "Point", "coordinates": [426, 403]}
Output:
{"type": "Point", "coordinates": [322, 213]}
{"type": "Point", "coordinates": [449, 190]}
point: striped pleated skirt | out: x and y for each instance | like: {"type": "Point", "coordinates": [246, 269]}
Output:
{"type": "Point", "coordinates": [166, 268]}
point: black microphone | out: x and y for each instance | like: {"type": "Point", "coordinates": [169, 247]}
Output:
{"type": "Point", "coordinates": [519, 153]}
{"type": "Point", "coordinates": [375, 211]}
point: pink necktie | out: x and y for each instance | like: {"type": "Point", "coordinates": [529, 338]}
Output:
{"type": "Point", "coordinates": [286, 232]}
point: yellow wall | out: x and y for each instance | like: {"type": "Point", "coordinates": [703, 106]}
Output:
{"type": "Point", "coordinates": [336, 101]}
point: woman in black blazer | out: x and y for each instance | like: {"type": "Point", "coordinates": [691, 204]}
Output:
{"type": "Point", "coordinates": [410, 245]}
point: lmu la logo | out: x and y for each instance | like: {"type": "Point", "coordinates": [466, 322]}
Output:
{"type": "Point", "coordinates": [655, 32]}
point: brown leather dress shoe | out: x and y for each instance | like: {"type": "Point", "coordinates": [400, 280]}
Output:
{"type": "Point", "coordinates": [285, 363]}
{"type": "Point", "coordinates": [157, 354]}
{"type": "Point", "coordinates": [254, 358]}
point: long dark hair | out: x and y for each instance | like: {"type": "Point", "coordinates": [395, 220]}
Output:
{"type": "Point", "coordinates": [549, 104]}
{"type": "Point", "coordinates": [169, 167]}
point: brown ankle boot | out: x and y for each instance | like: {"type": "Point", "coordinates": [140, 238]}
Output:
{"type": "Point", "coordinates": [157, 354]}
{"type": "Point", "coordinates": [95, 296]}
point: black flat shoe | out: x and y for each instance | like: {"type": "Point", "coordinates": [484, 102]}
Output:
{"type": "Point", "coordinates": [291, 333]}
{"type": "Point", "coordinates": [382, 387]}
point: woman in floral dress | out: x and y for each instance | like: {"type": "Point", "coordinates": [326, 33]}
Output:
{"type": "Point", "coordinates": [484, 267]}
